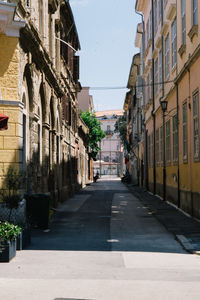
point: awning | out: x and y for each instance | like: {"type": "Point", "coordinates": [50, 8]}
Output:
{"type": "Point", "coordinates": [3, 122]}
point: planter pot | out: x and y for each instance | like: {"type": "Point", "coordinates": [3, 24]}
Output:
{"type": "Point", "coordinates": [17, 216]}
{"type": "Point", "coordinates": [19, 242]}
{"type": "Point", "coordinates": [8, 251]}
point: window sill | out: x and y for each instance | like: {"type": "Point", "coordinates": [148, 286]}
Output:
{"type": "Point", "coordinates": [185, 160]}
{"type": "Point", "coordinates": [196, 158]}
{"type": "Point", "coordinates": [193, 31]}
{"type": "Point", "coordinates": [182, 50]}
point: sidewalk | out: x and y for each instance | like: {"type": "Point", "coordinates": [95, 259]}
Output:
{"type": "Point", "coordinates": [184, 228]}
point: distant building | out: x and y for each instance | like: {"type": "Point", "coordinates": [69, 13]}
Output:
{"type": "Point", "coordinates": [110, 157]}
{"type": "Point", "coordinates": [85, 100]}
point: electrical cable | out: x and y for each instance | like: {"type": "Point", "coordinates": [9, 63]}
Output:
{"type": "Point", "coordinates": [123, 87]}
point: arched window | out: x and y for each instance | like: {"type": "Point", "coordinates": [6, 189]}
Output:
{"type": "Point", "coordinates": [25, 131]}
{"type": "Point", "coordinates": [39, 136]}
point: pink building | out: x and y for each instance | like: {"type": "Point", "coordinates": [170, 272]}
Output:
{"type": "Point", "coordinates": [110, 157]}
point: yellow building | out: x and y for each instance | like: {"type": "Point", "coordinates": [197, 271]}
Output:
{"type": "Point", "coordinates": [39, 83]}
{"type": "Point", "coordinates": [171, 57]}
{"type": "Point", "coordinates": [10, 104]}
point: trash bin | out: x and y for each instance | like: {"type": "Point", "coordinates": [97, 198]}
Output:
{"type": "Point", "coordinates": [38, 207]}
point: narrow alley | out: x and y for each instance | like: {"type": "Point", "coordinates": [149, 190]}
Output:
{"type": "Point", "coordinates": [103, 244]}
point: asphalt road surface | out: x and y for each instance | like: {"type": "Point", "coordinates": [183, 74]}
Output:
{"type": "Point", "coordinates": [102, 245]}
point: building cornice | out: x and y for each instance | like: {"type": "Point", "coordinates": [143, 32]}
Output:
{"type": "Point", "coordinates": [31, 42]}
{"type": "Point", "coordinates": [8, 25]}
{"type": "Point", "coordinates": [188, 64]}
{"type": "Point", "coordinates": [140, 5]}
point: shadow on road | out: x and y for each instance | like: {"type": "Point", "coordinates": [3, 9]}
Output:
{"type": "Point", "coordinates": [89, 226]}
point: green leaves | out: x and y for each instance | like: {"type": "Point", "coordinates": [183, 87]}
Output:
{"type": "Point", "coordinates": [9, 232]}
{"type": "Point", "coordinates": [120, 127]}
{"type": "Point", "coordinates": [96, 134]}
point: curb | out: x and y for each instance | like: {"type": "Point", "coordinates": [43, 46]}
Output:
{"type": "Point", "coordinates": [185, 243]}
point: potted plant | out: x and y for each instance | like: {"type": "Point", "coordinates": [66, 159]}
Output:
{"type": "Point", "coordinates": [12, 208]}
{"type": "Point", "coordinates": [8, 235]}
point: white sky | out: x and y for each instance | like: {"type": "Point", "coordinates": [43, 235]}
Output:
{"type": "Point", "coordinates": [106, 30]}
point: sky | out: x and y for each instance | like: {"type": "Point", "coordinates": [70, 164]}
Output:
{"type": "Point", "coordinates": [106, 30]}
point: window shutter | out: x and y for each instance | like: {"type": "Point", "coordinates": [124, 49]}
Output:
{"type": "Point", "coordinates": [76, 69]}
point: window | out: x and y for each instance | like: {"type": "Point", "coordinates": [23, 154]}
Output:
{"type": "Point", "coordinates": [161, 143]}
{"type": "Point", "coordinates": [160, 68]}
{"type": "Point", "coordinates": [156, 76]}
{"type": "Point", "coordinates": [41, 21]}
{"type": "Point", "coordinates": [150, 85]}
{"type": "Point", "coordinates": [39, 145]}
{"type": "Point", "coordinates": [147, 33]}
{"type": "Point", "coordinates": [148, 88]}
{"type": "Point", "coordinates": [24, 140]}
{"type": "Point", "coordinates": [173, 41]}
{"type": "Point", "coordinates": [175, 138]}
{"type": "Point", "coordinates": [183, 22]}
{"type": "Point", "coordinates": [167, 56]}
{"type": "Point", "coordinates": [168, 141]}
{"type": "Point", "coordinates": [196, 124]}
{"type": "Point", "coordinates": [57, 149]}
{"type": "Point", "coordinates": [152, 152]}
{"type": "Point", "coordinates": [157, 145]}
{"type": "Point", "coordinates": [149, 150]}
{"type": "Point", "coordinates": [184, 124]}
{"type": "Point", "coordinates": [150, 25]}
{"type": "Point", "coordinates": [155, 16]}
{"type": "Point", "coordinates": [194, 13]}
{"type": "Point", "coordinates": [50, 35]}
{"type": "Point", "coordinates": [160, 10]}
{"type": "Point", "coordinates": [108, 127]}
{"type": "Point", "coordinates": [28, 3]}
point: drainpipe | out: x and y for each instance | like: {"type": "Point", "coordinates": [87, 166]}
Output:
{"type": "Point", "coordinates": [190, 159]}
{"type": "Point", "coordinates": [162, 47]}
{"type": "Point", "coordinates": [145, 132]}
{"type": "Point", "coordinates": [178, 146]}
{"type": "Point", "coordinates": [178, 131]}
{"type": "Point", "coordinates": [153, 105]}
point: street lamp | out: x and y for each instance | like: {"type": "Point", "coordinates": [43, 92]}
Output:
{"type": "Point", "coordinates": [163, 104]}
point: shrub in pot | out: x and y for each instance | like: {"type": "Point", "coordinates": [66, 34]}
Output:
{"type": "Point", "coordinates": [8, 235]}
{"type": "Point", "coordinates": [12, 209]}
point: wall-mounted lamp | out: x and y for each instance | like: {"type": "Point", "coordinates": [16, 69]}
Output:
{"type": "Point", "coordinates": [163, 104]}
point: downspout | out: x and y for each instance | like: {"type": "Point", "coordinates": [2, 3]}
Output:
{"type": "Point", "coordinates": [190, 152]}
{"type": "Point", "coordinates": [178, 131]}
{"type": "Point", "coordinates": [145, 132]}
{"type": "Point", "coordinates": [153, 105]}
{"type": "Point", "coordinates": [178, 146]}
{"type": "Point", "coordinates": [163, 116]}
{"type": "Point", "coordinates": [162, 47]}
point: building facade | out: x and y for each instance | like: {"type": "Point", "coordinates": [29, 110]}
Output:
{"type": "Point", "coordinates": [171, 61]}
{"type": "Point", "coordinates": [85, 100]}
{"type": "Point", "coordinates": [134, 108]}
{"type": "Point", "coordinates": [39, 73]}
{"type": "Point", "coordinates": [110, 156]}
